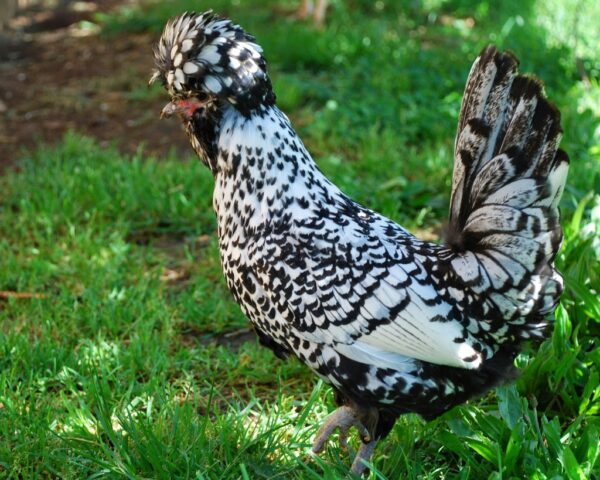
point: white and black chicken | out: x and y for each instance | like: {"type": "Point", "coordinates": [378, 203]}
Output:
{"type": "Point", "coordinates": [393, 323]}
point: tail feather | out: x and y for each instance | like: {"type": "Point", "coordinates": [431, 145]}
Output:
{"type": "Point", "coordinates": [508, 179]}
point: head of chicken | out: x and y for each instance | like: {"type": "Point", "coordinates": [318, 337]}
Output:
{"type": "Point", "coordinates": [209, 65]}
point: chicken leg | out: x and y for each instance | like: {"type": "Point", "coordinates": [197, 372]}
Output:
{"type": "Point", "coordinates": [344, 418]}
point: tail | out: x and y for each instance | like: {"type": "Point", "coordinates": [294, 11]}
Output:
{"type": "Point", "coordinates": [509, 175]}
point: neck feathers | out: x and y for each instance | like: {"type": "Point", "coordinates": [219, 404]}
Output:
{"type": "Point", "coordinates": [264, 173]}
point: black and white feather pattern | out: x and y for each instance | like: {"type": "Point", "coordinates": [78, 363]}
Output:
{"type": "Point", "coordinates": [205, 53]}
{"type": "Point", "coordinates": [395, 324]}
{"type": "Point", "coordinates": [508, 179]}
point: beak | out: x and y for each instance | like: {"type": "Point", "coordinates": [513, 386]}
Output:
{"type": "Point", "coordinates": [168, 110]}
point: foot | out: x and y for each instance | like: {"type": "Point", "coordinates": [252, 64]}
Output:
{"type": "Point", "coordinates": [344, 418]}
{"type": "Point", "coordinates": [364, 453]}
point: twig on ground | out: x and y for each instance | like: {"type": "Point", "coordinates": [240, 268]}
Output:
{"type": "Point", "coordinates": [5, 294]}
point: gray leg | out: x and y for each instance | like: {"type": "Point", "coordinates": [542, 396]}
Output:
{"type": "Point", "coordinates": [343, 418]}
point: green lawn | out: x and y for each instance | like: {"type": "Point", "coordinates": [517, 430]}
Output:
{"type": "Point", "coordinates": [127, 357]}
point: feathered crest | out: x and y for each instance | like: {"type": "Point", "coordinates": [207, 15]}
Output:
{"type": "Point", "coordinates": [203, 53]}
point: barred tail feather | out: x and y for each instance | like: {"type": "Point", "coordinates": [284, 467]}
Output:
{"type": "Point", "coordinates": [508, 178]}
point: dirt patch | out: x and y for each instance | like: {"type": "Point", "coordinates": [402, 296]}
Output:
{"type": "Point", "coordinates": [171, 246]}
{"type": "Point", "coordinates": [60, 74]}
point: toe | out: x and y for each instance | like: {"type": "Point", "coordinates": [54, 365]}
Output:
{"type": "Point", "coordinates": [364, 454]}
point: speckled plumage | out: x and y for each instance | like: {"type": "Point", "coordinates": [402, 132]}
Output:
{"type": "Point", "coordinates": [395, 324]}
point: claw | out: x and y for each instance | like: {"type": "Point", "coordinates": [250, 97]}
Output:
{"type": "Point", "coordinates": [344, 438]}
{"type": "Point", "coordinates": [344, 418]}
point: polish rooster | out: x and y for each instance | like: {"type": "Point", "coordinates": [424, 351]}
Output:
{"type": "Point", "coordinates": [393, 323]}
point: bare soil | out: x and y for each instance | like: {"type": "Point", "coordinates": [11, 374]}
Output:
{"type": "Point", "coordinates": [57, 76]}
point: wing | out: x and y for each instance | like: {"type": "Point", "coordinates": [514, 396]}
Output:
{"type": "Point", "coordinates": [364, 288]}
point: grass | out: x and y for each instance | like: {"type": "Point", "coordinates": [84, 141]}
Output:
{"type": "Point", "coordinates": [132, 360]}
